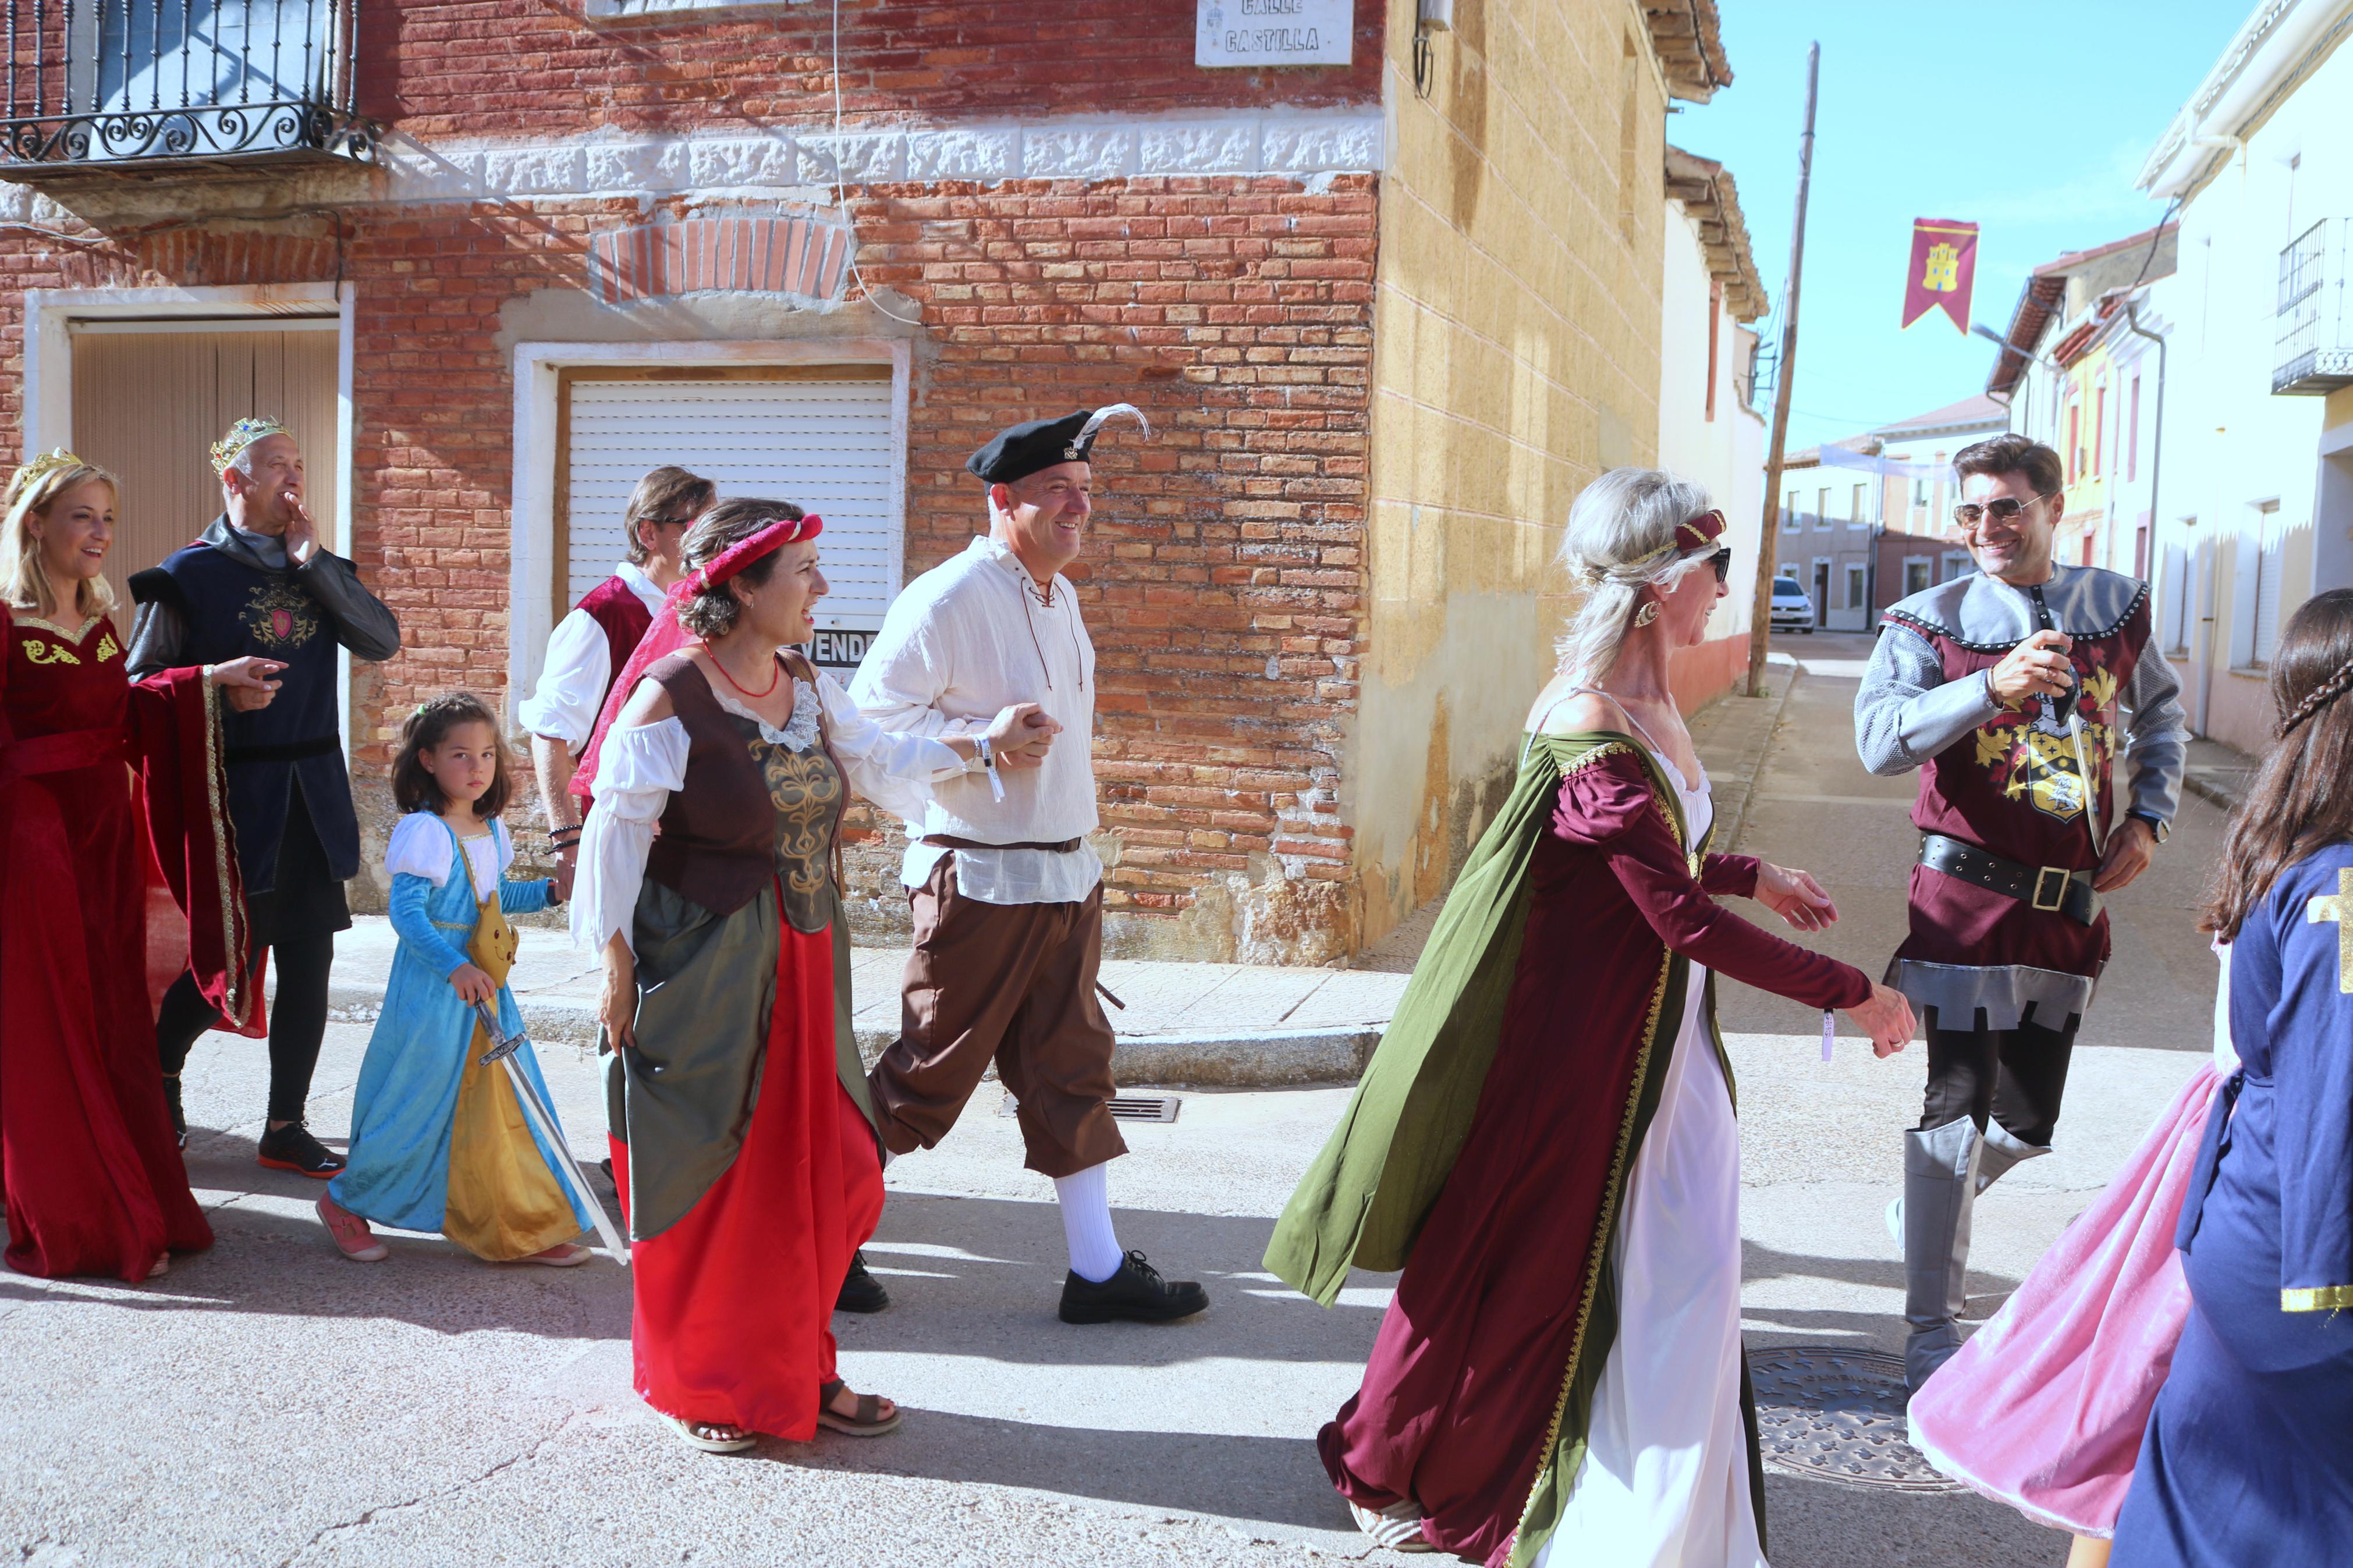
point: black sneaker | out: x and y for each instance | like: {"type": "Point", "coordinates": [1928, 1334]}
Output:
{"type": "Point", "coordinates": [1136, 1294]}
{"type": "Point", "coordinates": [861, 1291]}
{"type": "Point", "coordinates": [291, 1148]}
{"type": "Point", "coordinates": [172, 1104]}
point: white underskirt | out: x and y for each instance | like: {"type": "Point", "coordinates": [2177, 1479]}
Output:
{"type": "Point", "coordinates": [1665, 1479]}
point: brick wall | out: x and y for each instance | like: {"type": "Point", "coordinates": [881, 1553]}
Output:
{"type": "Point", "coordinates": [515, 68]}
{"type": "Point", "coordinates": [1223, 585]}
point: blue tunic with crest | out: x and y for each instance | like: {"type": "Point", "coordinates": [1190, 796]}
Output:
{"type": "Point", "coordinates": [2249, 1453]}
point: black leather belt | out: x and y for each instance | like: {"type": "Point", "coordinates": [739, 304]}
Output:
{"type": "Point", "coordinates": [290, 752]}
{"type": "Point", "coordinates": [2052, 888]}
{"type": "Point", "coordinates": [944, 841]}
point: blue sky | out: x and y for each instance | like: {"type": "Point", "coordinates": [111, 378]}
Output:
{"type": "Point", "coordinates": [2031, 119]}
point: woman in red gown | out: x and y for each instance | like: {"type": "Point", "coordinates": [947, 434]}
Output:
{"type": "Point", "coordinates": [89, 1164]}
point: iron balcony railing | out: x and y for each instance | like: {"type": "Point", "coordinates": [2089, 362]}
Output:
{"type": "Point", "coordinates": [117, 83]}
{"type": "Point", "coordinates": [2316, 337]}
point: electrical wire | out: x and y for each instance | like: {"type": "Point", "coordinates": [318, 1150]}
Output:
{"type": "Point", "coordinates": [839, 200]}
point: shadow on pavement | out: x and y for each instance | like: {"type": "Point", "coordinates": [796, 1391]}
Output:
{"type": "Point", "coordinates": [1273, 1480]}
{"type": "Point", "coordinates": [983, 1276]}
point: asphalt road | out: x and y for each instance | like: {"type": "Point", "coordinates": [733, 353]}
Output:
{"type": "Point", "coordinates": [268, 1403]}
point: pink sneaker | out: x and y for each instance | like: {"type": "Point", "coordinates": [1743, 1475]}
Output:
{"type": "Point", "coordinates": [352, 1237]}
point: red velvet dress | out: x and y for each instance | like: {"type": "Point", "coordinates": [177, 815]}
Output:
{"type": "Point", "coordinates": [92, 1174]}
{"type": "Point", "coordinates": [1464, 1401]}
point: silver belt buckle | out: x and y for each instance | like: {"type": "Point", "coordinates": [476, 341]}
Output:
{"type": "Point", "coordinates": [2044, 877]}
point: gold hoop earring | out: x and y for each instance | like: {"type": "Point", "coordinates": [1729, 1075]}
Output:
{"type": "Point", "coordinates": [1646, 613]}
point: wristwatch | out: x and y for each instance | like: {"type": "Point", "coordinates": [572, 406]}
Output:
{"type": "Point", "coordinates": [2157, 824]}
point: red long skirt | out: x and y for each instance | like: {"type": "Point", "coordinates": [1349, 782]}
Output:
{"type": "Point", "coordinates": [93, 1177]}
{"type": "Point", "coordinates": [733, 1308]}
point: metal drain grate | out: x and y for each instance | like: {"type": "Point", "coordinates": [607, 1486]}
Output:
{"type": "Point", "coordinates": [1124, 1107]}
{"type": "Point", "coordinates": [1829, 1413]}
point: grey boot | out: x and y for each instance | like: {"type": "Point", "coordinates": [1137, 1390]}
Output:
{"type": "Point", "coordinates": [1940, 1178]}
{"type": "Point", "coordinates": [2003, 1150]}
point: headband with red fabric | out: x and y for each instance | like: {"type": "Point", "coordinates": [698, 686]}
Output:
{"type": "Point", "coordinates": [667, 635]}
{"type": "Point", "coordinates": [743, 552]}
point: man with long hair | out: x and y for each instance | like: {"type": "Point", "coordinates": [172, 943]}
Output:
{"type": "Point", "coordinates": [2012, 691]}
{"type": "Point", "coordinates": [258, 582]}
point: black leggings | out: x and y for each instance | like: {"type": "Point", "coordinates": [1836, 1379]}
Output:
{"type": "Point", "coordinates": [2015, 1076]}
{"type": "Point", "coordinates": [298, 1020]}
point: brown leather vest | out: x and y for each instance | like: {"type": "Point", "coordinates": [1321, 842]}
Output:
{"type": "Point", "coordinates": [717, 844]}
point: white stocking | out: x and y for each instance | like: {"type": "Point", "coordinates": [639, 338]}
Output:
{"type": "Point", "coordinates": [1095, 1255]}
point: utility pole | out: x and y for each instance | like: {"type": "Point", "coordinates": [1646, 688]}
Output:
{"type": "Point", "coordinates": [1761, 615]}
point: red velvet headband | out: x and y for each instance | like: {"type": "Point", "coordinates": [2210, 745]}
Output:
{"type": "Point", "coordinates": [1699, 533]}
{"type": "Point", "coordinates": [743, 552]}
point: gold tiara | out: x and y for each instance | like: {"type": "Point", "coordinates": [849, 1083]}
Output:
{"type": "Point", "coordinates": [241, 435]}
{"type": "Point", "coordinates": [47, 463]}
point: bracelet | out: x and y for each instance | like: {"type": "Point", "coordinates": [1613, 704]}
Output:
{"type": "Point", "coordinates": [554, 899]}
{"type": "Point", "coordinates": [987, 757]}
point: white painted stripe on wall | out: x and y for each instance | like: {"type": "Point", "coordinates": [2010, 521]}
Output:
{"type": "Point", "coordinates": [1304, 144]}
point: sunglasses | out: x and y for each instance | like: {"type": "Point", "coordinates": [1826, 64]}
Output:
{"type": "Point", "coordinates": [1721, 562]}
{"type": "Point", "coordinates": [2002, 508]}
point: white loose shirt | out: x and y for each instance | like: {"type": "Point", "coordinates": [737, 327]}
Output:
{"type": "Point", "coordinates": [579, 668]}
{"type": "Point", "coordinates": [642, 764]}
{"type": "Point", "coordinates": [966, 640]}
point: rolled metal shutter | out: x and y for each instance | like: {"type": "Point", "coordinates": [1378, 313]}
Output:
{"type": "Point", "coordinates": [823, 443]}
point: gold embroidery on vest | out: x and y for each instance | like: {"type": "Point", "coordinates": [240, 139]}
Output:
{"type": "Point", "coordinates": [281, 615]}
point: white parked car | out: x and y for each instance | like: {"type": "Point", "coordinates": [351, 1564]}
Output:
{"type": "Point", "coordinates": [1793, 607]}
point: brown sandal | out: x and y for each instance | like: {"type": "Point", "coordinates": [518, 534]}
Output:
{"type": "Point", "coordinates": [868, 1422]}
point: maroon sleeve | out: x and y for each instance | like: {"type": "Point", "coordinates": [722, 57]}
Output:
{"type": "Point", "coordinates": [1730, 875]}
{"type": "Point", "coordinates": [1608, 804]}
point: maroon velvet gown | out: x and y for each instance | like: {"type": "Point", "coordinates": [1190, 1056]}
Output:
{"type": "Point", "coordinates": [1466, 1374]}
{"type": "Point", "coordinates": [93, 1179]}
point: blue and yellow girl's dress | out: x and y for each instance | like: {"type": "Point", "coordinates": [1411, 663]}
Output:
{"type": "Point", "coordinates": [2248, 1458]}
{"type": "Point", "coordinates": [438, 1141]}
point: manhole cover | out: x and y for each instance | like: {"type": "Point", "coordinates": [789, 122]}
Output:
{"type": "Point", "coordinates": [1838, 1416]}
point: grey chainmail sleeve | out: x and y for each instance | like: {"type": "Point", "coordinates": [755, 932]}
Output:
{"type": "Point", "coordinates": [157, 635]}
{"type": "Point", "coordinates": [1906, 711]}
{"type": "Point", "coordinates": [2156, 741]}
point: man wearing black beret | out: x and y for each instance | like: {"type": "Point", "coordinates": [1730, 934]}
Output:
{"type": "Point", "coordinates": [1007, 892]}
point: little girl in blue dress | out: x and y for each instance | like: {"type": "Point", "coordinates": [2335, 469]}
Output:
{"type": "Point", "coordinates": [438, 1142]}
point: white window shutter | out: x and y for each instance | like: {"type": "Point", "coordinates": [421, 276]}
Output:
{"type": "Point", "coordinates": [826, 446]}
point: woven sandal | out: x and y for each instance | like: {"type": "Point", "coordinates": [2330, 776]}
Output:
{"type": "Point", "coordinates": [868, 1422]}
{"type": "Point", "coordinates": [1397, 1527]}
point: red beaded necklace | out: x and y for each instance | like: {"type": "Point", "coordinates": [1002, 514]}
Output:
{"type": "Point", "coordinates": [777, 673]}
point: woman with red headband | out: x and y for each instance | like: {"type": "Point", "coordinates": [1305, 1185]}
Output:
{"type": "Point", "coordinates": [1543, 1142]}
{"type": "Point", "coordinates": [743, 1139]}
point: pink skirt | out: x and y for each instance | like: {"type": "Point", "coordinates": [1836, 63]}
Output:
{"type": "Point", "coordinates": [2044, 1408]}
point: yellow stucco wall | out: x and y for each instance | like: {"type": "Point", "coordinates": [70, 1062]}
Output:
{"type": "Point", "coordinates": [1517, 355]}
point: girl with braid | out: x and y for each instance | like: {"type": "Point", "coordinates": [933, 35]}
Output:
{"type": "Point", "coordinates": [2249, 1175]}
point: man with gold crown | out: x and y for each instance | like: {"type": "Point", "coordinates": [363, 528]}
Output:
{"type": "Point", "coordinates": [258, 582]}
{"type": "Point", "coordinates": [1007, 893]}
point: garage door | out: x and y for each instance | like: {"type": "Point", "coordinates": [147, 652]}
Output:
{"type": "Point", "coordinates": [820, 437]}
{"type": "Point", "coordinates": [151, 397]}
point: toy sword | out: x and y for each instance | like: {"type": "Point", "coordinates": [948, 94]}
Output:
{"type": "Point", "coordinates": [542, 1119]}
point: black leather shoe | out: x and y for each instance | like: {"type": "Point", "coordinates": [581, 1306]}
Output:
{"type": "Point", "coordinates": [291, 1148]}
{"type": "Point", "coordinates": [1136, 1294]}
{"type": "Point", "coordinates": [861, 1291]}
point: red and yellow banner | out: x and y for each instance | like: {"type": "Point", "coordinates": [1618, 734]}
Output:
{"type": "Point", "coordinates": [1943, 265]}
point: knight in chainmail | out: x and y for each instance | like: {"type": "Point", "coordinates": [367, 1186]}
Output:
{"type": "Point", "coordinates": [2012, 691]}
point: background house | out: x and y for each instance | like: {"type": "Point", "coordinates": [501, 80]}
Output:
{"type": "Point", "coordinates": [2255, 510]}
{"type": "Point", "coordinates": [1868, 521]}
{"type": "Point", "coordinates": [1390, 293]}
